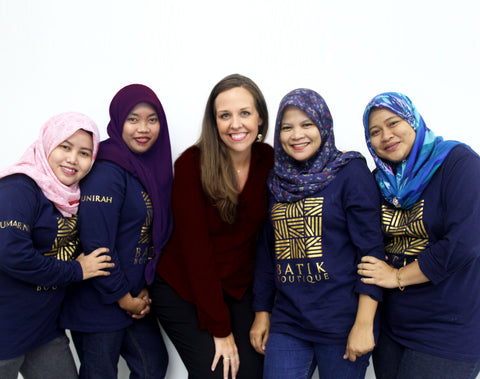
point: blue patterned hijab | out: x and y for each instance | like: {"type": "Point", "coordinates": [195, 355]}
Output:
{"type": "Point", "coordinates": [403, 186]}
{"type": "Point", "coordinates": [292, 180]}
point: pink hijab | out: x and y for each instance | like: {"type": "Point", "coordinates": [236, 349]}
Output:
{"type": "Point", "coordinates": [34, 162]}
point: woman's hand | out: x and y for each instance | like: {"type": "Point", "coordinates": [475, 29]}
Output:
{"type": "Point", "coordinates": [360, 341]}
{"type": "Point", "coordinates": [96, 263]}
{"type": "Point", "coordinates": [259, 331]}
{"type": "Point", "coordinates": [225, 347]}
{"type": "Point", "coordinates": [378, 272]}
{"type": "Point", "coordinates": [145, 297]}
{"type": "Point", "coordinates": [137, 307]}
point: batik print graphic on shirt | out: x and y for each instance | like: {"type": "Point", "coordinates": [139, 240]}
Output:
{"type": "Point", "coordinates": [298, 241]}
{"type": "Point", "coordinates": [65, 245]}
{"type": "Point", "coordinates": [405, 233]}
{"type": "Point", "coordinates": [144, 249]}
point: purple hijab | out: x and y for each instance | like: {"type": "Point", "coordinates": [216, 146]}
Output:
{"type": "Point", "coordinates": [291, 180]}
{"type": "Point", "coordinates": [153, 168]}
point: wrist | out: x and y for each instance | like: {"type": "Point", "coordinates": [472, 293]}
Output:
{"type": "Point", "coordinates": [399, 280]}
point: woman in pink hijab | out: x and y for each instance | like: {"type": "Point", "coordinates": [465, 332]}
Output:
{"type": "Point", "coordinates": [39, 247]}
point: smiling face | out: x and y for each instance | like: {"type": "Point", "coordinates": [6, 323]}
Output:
{"type": "Point", "coordinates": [392, 137]}
{"type": "Point", "coordinates": [141, 128]}
{"type": "Point", "coordinates": [299, 136]}
{"type": "Point", "coordinates": [237, 119]}
{"type": "Point", "coordinates": [71, 160]}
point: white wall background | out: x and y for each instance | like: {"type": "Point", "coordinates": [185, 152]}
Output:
{"type": "Point", "coordinates": [59, 55]}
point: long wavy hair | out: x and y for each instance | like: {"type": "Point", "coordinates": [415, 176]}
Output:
{"type": "Point", "coordinates": [219, 181]}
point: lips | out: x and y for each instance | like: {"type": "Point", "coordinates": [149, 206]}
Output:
{"type": "Point", "coordinates": [391, 147]}
{"type": "Point", "coordinates": [142, 140]}
{"type": "Point", "coordinates": [300, 146]}
{"type": "Point", "coordinates": [238, 136]}
{"type": "Point", "coordinates": [68, 170]}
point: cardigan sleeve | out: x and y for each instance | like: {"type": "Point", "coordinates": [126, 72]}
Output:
{"type": "Point", "coordinates": [362, 209]}
{"type": "Point", "coordinates": [98, 224]}
{"type": "Point", "coordinates": [19, 258]}
{"type": "Point", "coordinates": [189, 206]}
{"type": "Point", "coordinates": [460, 244]}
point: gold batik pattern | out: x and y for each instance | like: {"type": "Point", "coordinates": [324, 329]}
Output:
{"type": "Point", "coordinates": [298, 229]}
{"type": "Point", "coordinates": [146, 232]}
{"type": "Point", "coordinates": [405, 230]}
{"type": "Point", "coordinates": [66, 243]}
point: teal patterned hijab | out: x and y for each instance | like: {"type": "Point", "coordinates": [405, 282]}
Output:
{"type": "Point", "coordinates": [403, 186]}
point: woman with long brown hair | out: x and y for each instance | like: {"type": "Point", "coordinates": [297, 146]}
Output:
{"type": "Point", "coordinates": [202, 292]}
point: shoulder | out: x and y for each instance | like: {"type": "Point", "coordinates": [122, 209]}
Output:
{"type": "Point", "coordinates": [18, 183]}
{"type": "Point", "coordinates": [263, 154]}
{"type": "Point", "coordinates": [103, 175]}
{"type": "Point", "coordinates": [356, 167]}
{"type": "Point", "coordinates": [18, 192]}
{"type": "Point", "coordinates": [460, 158]}
{"type": "Point", "coordinates": [189, 158]}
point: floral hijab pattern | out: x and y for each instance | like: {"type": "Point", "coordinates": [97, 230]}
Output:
{"type": "Point", "coordinates": [291, 180]}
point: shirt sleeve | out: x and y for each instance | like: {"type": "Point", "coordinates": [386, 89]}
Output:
{"type": "Point", "coordinates": [190, 217]}
{"type": "Point", "coordinates": [362, 206]}
{"type": "Point", "coordinates": [98, 224]}
{"type": "Point", "coordinates": [264, 287]}
{"type": "Point", "coordinates": [19, 258]}
{"type": "Point", "coordinates": [460, 244]}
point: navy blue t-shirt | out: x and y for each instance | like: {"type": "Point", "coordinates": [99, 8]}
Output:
{"type": "Point", "coordinates": [442, 231]}
{"type": "Point", "coordinates": [305, 272]}
{"type": "Point", "coordinates": [37, 248]}
{"type": "Point", "coordinates": [115, 212]}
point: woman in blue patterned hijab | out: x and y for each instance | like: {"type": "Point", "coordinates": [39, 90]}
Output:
{"type": "Point", "coordinates": [291, 179]}
{"type": "Point", "coordinates": [430, 217]}
{"type": "Point", "coordinates": [403, 182]}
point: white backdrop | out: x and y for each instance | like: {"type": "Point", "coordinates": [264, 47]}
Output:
{"type": "Point", "coordinates": [59, 55]}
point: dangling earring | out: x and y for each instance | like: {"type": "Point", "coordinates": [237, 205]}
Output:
{"type": "Point", "coordinates": [259, 137]}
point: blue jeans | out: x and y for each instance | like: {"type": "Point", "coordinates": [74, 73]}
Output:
{"type": "Point", "coordinates": [290, 357]}
{"type": "Point", "coordinates": [141, 345]}
{"type": "Point", "coordinates": [50, 361]}
{"type": "Point", "coordinates": [394, 361]}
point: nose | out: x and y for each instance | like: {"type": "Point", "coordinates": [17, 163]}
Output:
{"type": "Point", "coordinates": [297, 133]}
{"type": "Point", "coordinates": [236, 122]}
{"type": "Point", "coordinates": [72, 157]}
{"type": "Point", "coordinates": [387, 134]}
{"type": "Point", "coordinates": [143, 126]}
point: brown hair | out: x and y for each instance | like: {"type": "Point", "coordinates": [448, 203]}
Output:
{"type": "Point", "coordinates": [217, 173]}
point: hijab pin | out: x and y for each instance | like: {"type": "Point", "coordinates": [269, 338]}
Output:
{"type": "Point", "coordinates": [396, 202]}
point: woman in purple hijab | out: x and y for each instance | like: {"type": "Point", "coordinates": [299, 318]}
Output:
{"type": "Point", "coordinates": [125, 204]}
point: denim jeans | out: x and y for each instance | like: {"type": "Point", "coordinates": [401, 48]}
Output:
{"type": "Point", "coordinates": [50, 361]}
{"type": "Point", "coordinates": [394, 361]}
{"type": "Point", "coordinates": [288, 357]}
{"type": "Point", "coordinates": [141, 345]}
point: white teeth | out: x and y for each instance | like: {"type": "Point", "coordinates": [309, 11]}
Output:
{"type": "Point", "coordinates": [238, 136]}
{"type": "Point", "coordinates": [69, 169]}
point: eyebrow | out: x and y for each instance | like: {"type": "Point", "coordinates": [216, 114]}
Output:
{"type": "Point", "coordinates": [247, 107]}
{"type": "Point", "coordinates": [387, 119]}
{"type": "Point", "coordinates": [136, 114]}
{"type": "Point", "coordinates": [71, 144]}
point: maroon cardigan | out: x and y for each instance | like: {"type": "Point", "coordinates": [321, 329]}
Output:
{"type": "Point", "coordinates": [205, 256]}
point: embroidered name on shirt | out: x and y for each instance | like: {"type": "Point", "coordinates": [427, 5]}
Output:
{"type": "Point", "coordinates": [97, 199]}
{"type": "Point", "coordinates": [15, 224]}
{"type": "Point", "coordinates": [405, 232]}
